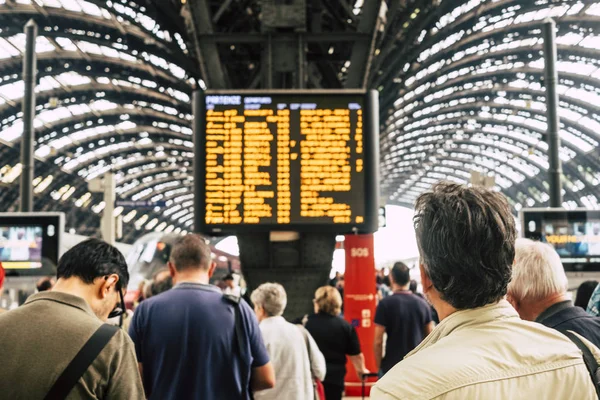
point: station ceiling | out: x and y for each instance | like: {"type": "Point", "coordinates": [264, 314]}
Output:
{"type": "Point", "coordinates": [460, 82]}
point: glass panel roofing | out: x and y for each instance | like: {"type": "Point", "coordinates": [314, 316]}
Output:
{"type": "Point", "coordinates": [461, 90]}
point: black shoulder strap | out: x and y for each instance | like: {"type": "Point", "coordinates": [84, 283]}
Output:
{"type": "Point", "coordinates": [239, 338]}
{"type": "Point", "coordinates": [75, 370]}
{"type": "Point", "coordinates": [588, 358]}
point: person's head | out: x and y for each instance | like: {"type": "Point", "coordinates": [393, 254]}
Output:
{"type": "Point", "coordinates": [191, 259]}
{"type": "Point", "coordinates": [538, 278]}
{"type": "Point", "coordinates": [229, 281]}
{"type": "Point", "coordinates": [97, 271]}
{"type": "Point", "coordinates": [413, 286]}
{"type": "Point", "coordinates": [328, 300]}
{"type": "Point", "coordinates": [44, 284]}
{"type": "Point", "coordinates": [584, 293]}
{"type": "Point", "coordinates": [466, 239]}
{"type": "Point", "coordinates": [269, 300]}
{"type": "Point", "coordinates": [161, 282]}
{"type": "Point", "coordinates": [400, 274]}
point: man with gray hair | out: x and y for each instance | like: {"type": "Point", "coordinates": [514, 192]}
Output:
{"type": "Point", "coordinates": [296, 357]}
{"type": "Point", "coordinates": [538, 291]}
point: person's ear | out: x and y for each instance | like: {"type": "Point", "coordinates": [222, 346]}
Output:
{"type": "Point", "coordinates": [425, 280]}
{"type": "Point", "coordinates": [106, 283]}
{"type": "Point", "coordinates": [172, 270]}
{"type": "Point", "coordinates": [211, 269]}
{"type": "Point", "coordinates": [513, 302]}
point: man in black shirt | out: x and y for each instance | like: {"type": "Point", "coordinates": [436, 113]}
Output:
{"type": "Point", "coordinates": [538, 291]}
{"type": "Point", "coordinates": [405, 317]}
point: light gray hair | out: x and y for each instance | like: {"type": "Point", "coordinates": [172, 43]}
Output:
{"type": "Point", "coordinates": [271, 297]}
{"type": "Point", "coordinates": [537, 272]}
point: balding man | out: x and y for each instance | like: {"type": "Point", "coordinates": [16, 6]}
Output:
{"type": "Point", "coordinates": [186, 341]}
{"type": "Point", "coordinates": [538, 291]}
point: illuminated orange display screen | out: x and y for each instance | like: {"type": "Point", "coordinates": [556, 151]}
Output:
{"type": "Point", "coordinates": [284, 160]}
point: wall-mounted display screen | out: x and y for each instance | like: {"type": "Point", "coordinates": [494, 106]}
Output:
{"type": "Point", "coordinates": [21, 246]}
{"type": "Point", "coordinates": [30, 242]}
{"type": "Point", "coordinates": [288, 160]}
{"type": "Point", "coordinates": [575, 234]}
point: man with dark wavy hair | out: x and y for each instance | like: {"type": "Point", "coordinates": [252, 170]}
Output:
{"type": "Point", "coordinates": [481, 349]}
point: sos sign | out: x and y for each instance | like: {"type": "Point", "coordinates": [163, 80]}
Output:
{"type": "Point", "coordinates": [359, 252]}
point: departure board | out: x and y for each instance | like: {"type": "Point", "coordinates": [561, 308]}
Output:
{"type": "Point", "coordinates": [287, 161]}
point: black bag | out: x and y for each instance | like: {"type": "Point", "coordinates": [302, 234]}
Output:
{"type": "Point", "coordinates": [588, 358]}
{"type": "Point", "coordinates": [77, 367]}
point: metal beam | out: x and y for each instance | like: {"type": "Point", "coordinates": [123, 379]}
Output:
{"type": "Point", "coordinates": [220, 11]}
{"type": "Point", "coordinates": [29, 77]}
{"type": "Point", "coordinates": [362, 51]}
{"type": "Point", "coordinates": [551, 83]}
{"type": "Point", "coordinates": [308, 37]}
{"type": "Point", "coordinates": [208, 53]}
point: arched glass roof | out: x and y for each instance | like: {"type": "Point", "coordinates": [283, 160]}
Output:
{"type": "Point", "coordinates": [461, 89]}
{"type": "Point", "coordinates": [468, 94]}
{"type": "Point", "coordinates": [113, 93]}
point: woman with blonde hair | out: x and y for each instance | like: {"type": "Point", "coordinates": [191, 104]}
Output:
{"type": "Point", "coordinates": [336, 338]}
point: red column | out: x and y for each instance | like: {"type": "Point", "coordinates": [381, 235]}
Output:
{"type": "Point", "coordinates": [360, 302]}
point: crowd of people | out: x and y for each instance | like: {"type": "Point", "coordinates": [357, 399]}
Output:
{"type": "Point", "coordinates": [507, 326]}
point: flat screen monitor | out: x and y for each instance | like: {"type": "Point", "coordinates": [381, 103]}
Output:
{"type": "Point", "coordinates": [575, 234]}
{"type": "Point", "coordinates": [287, 160]}
{"type": "Point", "coordinates": [30, 243]}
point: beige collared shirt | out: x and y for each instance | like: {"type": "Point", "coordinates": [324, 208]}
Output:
{"type": "Point", "coordinates": [39, 339]}
{"type": "Point", "coordinates": [490, 353]}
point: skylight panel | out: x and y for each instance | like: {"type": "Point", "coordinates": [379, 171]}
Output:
{"type": "Point", "coordinates": [593, 9]}
{"type": "Point", "coordinates": [591, 42]}
{"type": "Point", "coordinates": [52, 3]}
{"type": "Point", "coordinates": [110, 52]}
{"type": "Point", "coordinates": [7, 50]}
{"type": "Point", "coordinates": [570, 39]}
{"type": "Point", "coordinates": [103, 105]}
{"type": "Point", "coordinates": [90, 8]}
{"type": "Point", "coordinates": [13, 91]}
{"type": "Point", "coordinates": [88, 47]}
{"type": "Point", "coordinates": [72, 79]}
{"type": "Point", "coordinates": [71, 5]}
{"type": "Point", "coordinates": [53, 115]}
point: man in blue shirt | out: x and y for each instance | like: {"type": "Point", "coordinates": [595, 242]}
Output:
{"type": "Point", "coordinates": [185, 338]}
{"type": "Point", "coordinates": [404, 317]}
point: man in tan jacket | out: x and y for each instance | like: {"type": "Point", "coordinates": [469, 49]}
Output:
{"type": "Point", "coordinates": [40, 338]}
{"type": "Point", "coordinates": [481, 349]}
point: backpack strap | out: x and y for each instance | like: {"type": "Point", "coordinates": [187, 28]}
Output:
{"type": "Point", "coordinates": [77, 367]}
{"type": "Point", "coordinates": [239, 338]}
{"type": "Point", "coordinates": [589, 359]}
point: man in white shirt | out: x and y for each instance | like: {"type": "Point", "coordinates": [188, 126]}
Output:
{"type": "Point", "coordinates": [296, 357]}
{"type": "Point", "coordinates": [231, 287]}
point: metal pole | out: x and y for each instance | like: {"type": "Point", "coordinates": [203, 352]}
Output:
{"type": "Point", "coordinates": [551, 81]}
{"type": "Point", "coordinates": [301, 61]}
{"type": "Point", "coordinates": [198, 105]}
{"type": "Point", "coordinates": [28, 107]}
{"type": "Point", "coordinates": [108, 218]}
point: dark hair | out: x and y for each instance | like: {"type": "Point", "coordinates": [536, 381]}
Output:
{"type": "Point", "coordinates": [413, 286]}
{"type": "Point", "coordinates": [190, 252]}
{"type": "Point", "coordinates": [584, 292]}
{"type": "Point", "coordinates": [93, 259]}
{"type": "Point", "coordinates": [228, 277]}
{"type": "Point", "coordinates": [44, 284]}
{"type": "Point", "coordinates": [401, 273]}
{"type": "Point", "coordinates": [466, 237]}
{"type": "Point", "coordinates": [159, 286]}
